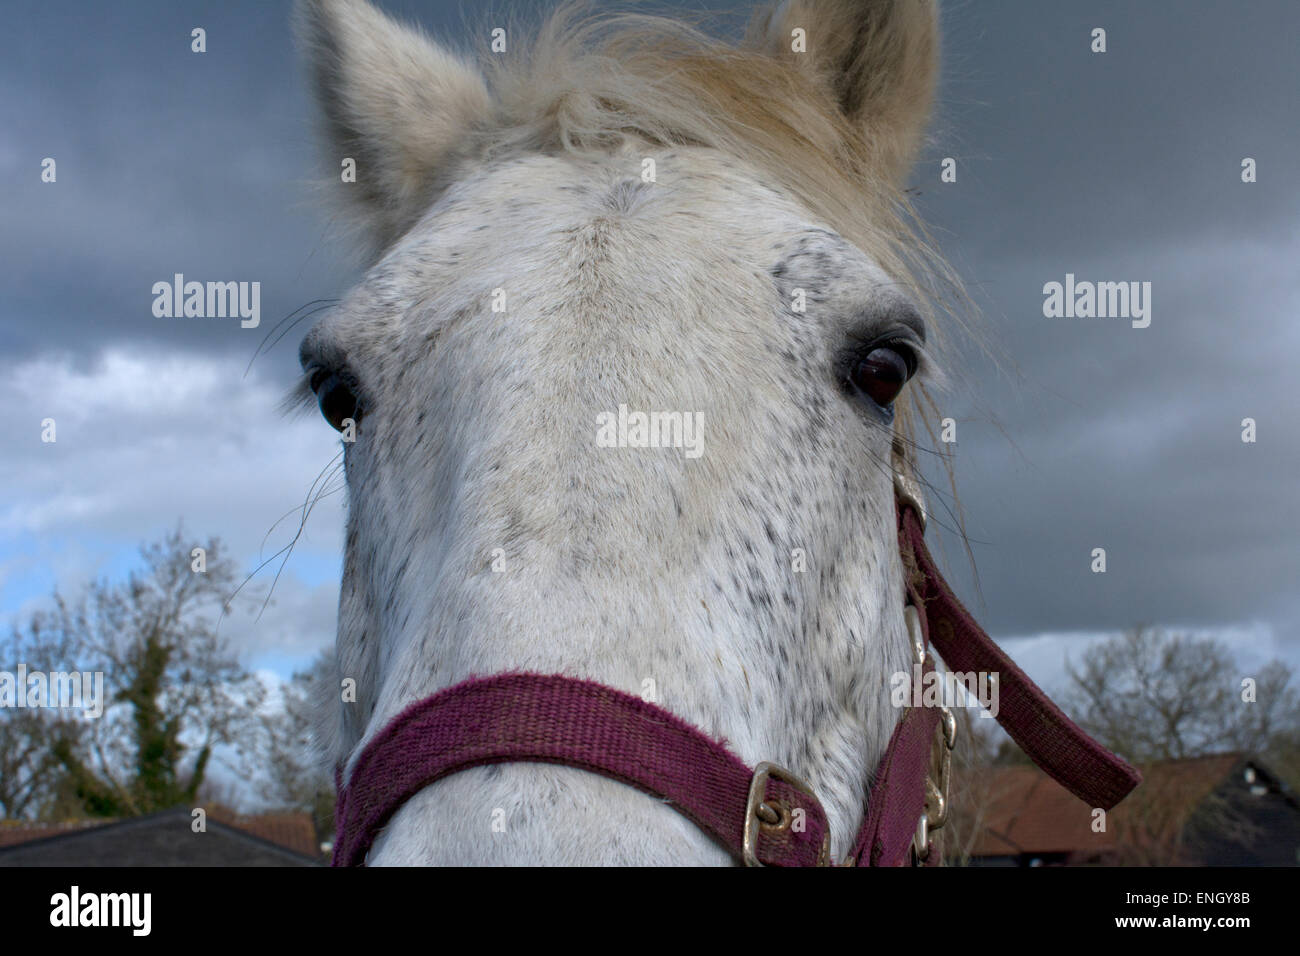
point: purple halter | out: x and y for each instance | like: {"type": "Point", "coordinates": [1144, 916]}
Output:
{"type": "Point", "coordinates": [753, 812]}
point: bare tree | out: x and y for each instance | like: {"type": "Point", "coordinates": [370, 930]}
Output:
{"type": "Point", "coordinates": [1150, 695]}
{"type": "Point", "coordinates": [296, 774]}
{"type": "Point", "coordinates": [174, 690]}
{"type": "Point", "coordinates": [29, 778]}
{"type": "Point", "coordinates": [27, 763]}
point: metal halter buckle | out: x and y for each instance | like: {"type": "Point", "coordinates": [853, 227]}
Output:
{"type": "Point", "coordinates": [759, 814]}
{"type": "Point", "coordinates": [909, 490]}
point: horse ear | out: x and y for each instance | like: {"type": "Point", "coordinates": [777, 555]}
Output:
{"type": "Point", "coordinates": [394, 102]}
{"type": "Point", "coordinates": [878, 59]}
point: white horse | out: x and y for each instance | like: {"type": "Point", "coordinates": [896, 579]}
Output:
{"type": "Point", "coordinates": [623, 213]}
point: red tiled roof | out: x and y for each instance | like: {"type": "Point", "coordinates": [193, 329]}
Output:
{"type": "Point", "coordinates": [13, 832]}
{"type": "Point", "coordinates": [1028, 812]}
{"type": "Point", "coordinates": [293, 831]}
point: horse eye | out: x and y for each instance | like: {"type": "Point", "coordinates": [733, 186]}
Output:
{"type": "Point", "coordinates": [336, 398]}
{"type": "Point", "coordinates": [882, 372]}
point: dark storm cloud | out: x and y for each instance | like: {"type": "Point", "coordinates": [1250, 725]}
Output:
{"type": "Point", "coordinates": [1126, 166]}
{"type": "Point", "coordinates": [1066, 149]}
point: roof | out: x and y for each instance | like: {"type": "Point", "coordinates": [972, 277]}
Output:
{"type": "Point", "coordinates": [164, 838]}
{"type": "Point", "coordinates": [1030, 813]}
{"type": "Point", "coordinates": [293, 830]}
{"type": "Point", "coordinates": [13, 832]}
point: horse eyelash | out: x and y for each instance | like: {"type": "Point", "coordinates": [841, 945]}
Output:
{"type": "Point", "coordinates": [300, 399]}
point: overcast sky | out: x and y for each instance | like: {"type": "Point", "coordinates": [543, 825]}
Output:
{"type": "Point", "coordinates": [1115, 166]}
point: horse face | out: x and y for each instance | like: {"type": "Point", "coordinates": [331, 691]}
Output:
{"type": "Point", "coordinates": [623, 414]}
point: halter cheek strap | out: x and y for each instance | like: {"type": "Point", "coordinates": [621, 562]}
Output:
{"type": "Point", "coordinates": [1041, 729]}
{"type": "Point", "coordinates": [764, 815]}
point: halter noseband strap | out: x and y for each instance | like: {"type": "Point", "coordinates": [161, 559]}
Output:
{"type": "Point", "coordinates": [763, 815]}
{"type": "Point", "coordinates": [552, 719]}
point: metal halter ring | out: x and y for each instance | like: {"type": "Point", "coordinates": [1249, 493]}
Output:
{"type": "Point", "coordinates": [908, 490]}
{"type": "Point", "coordinates": [912, 619]}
